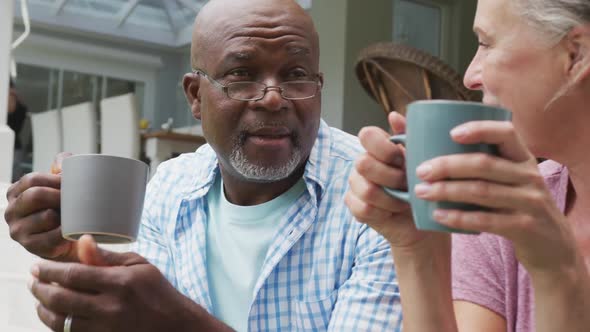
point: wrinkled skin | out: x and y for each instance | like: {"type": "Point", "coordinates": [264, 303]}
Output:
{"type": "Point", "coordinates": [547, 89]}
{"type": "Point", "coordinates": [109, 292]}
{"type": "Point", "coordinates": [267, 132]}
{"type": "Point", "coordinates": [270, 41]}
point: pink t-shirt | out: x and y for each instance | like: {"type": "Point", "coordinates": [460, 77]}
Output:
{"type": "Point", "coordinates": [486, 272]}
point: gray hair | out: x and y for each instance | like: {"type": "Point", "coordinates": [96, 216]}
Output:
{"type": "Point", "coordinates": [555, 17]}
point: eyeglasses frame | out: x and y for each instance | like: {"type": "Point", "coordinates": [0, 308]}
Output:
{"type": "Point", "coordinates": [225, 87]}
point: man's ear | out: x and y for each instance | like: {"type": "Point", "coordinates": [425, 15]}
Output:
{"type": "Point", "coordinates": [321, 78]}
{"type": "Point", "coordinates": [578, 46]}
{"type": "Point", "coordinates": [191, 85]}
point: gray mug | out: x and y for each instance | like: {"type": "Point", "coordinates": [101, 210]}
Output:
{"type": "Point", "coordinates": [103, 196]}
{"type": "Point", "coordinates": [428, 136]}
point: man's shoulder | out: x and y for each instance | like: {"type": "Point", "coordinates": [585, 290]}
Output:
{"type": "Point", "coordinates": [343, 145]}
{"type": "Point", "coordinates": [332, 159]}
{"type": "Point", "coordinates": [187, 167]}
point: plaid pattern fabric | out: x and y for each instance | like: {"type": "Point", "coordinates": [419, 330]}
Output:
{"type": "Point", "coordinates": [323, 271]}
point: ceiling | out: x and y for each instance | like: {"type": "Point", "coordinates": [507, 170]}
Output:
{"type": "Point", "coordinates": [160, 22]}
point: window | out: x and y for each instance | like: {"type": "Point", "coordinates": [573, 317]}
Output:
{"type": "Point", "coordinates": [42, 89]}
{"type": "Point", "coordinates": [419, 24]}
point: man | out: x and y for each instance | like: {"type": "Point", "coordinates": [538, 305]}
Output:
{"type": "Point", "coordinates": [17, 114]}
{"type": "Point", "coordinates": [250, 232]}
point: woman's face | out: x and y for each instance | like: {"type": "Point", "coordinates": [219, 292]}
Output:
{"type": "Point", "coordinates": [516, 68]}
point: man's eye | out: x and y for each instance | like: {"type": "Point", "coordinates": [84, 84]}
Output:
{"type": "Point", "coordinates": [299, 74]}
{"type": "Point", "coordinates": [239, 73]}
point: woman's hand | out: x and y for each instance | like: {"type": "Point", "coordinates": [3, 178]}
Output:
{"type": "Point", "coordinates": [383, 165]}
{"type": "Point", "coordinates": [521, 208]}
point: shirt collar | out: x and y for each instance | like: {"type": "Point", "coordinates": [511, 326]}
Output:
{"type": "Point", "coordinates": [562, 189]}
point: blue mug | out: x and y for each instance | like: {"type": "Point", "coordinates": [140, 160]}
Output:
{"type": "Point", "coordinates": [428, 136]}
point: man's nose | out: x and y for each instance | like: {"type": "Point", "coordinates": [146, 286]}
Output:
{"type": "Point", "coordinates": [273, 99]}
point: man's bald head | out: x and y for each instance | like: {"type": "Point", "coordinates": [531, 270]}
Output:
{"type": "Point", "coordinates": [220, 19]}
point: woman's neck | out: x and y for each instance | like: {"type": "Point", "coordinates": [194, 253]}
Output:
{"type": "Point", "coordinates": [579, 174]}
{"type": "Point", "coordinates": [578, 209]}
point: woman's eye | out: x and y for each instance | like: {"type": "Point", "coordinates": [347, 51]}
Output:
{"type": "Point", "coordinates": [483, 45]}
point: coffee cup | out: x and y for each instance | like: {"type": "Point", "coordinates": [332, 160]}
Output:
{"type": "Point", "coordinates": [102, 196]}
{"type": "Point", "coordinates": [428, 127]}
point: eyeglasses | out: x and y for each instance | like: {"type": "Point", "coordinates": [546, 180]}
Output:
{"type": "Point", "coordinates": [254, 91]}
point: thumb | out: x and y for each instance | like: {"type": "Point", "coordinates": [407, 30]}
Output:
{"type": "Point", "coordinates": [89, 253]}
{"type": "Point", "coordinates": [58, 160]}
{"type": "Point", "coordinates": [397, 123]}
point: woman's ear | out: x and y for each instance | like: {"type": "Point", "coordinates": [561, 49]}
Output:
{"type": "Point", "coordinates": [191, 85]}
{"type": "Point", "coordinates": [578, 45]}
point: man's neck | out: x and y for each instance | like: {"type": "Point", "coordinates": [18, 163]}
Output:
{"type": "Point", "coordinates": [244, 192]}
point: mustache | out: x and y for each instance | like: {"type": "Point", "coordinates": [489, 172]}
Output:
{"type": "Point", "coordinates": [245, 130]}
{"type": "Point", "coordinates": [257, 125]}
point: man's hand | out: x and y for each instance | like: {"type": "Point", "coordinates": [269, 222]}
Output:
{"type": "Point", "coordinates": [113, 292]}
{"type": "Point", "coordinates": [33, 217]}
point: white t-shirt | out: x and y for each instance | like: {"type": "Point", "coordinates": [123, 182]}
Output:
{"type": "Point", "coordinates": [238, 238]}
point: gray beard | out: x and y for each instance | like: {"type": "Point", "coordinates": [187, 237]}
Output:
{"type": "Point", "coordinates": [258, 173]}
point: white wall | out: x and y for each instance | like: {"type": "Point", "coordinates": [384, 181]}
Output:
{"type": "Point", "coordinates": [17, 306]}
{"type": "Point", "coordinates": [345, 27]}
{"type": "Point", "coordinates": [329, 17]}
{"type": "Point", "coordinates": [6, 134]}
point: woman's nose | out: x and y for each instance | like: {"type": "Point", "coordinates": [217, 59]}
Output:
{"type": "Point", "coordinates": [473, 77]}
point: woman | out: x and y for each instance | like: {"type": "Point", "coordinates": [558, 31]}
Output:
{"type": "Point", "coordinates": [534, 59]}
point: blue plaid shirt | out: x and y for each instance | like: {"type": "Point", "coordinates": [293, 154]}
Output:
{"type": "Point", "coordinates": [323, 270]}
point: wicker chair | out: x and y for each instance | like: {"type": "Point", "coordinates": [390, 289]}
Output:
{"type": "Point", "coordinates": [396, 75]}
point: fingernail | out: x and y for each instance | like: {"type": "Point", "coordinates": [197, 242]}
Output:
{"type": "Point", "coordinates": [440, 215]}
{"type": "Point", "coordinates": [35, 270]}
{"type": "Point", "coordinates": [423, 170]}
{"type": "Point", "coordinates": [459, 131]}
{"type": "Point", "coordinates": [422, 189]}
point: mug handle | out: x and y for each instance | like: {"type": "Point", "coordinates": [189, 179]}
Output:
{"type": "Point", "coordinates": [401, 195]}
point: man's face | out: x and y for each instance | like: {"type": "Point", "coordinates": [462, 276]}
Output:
{"type": "Point", "coordinates": [265, 140]}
